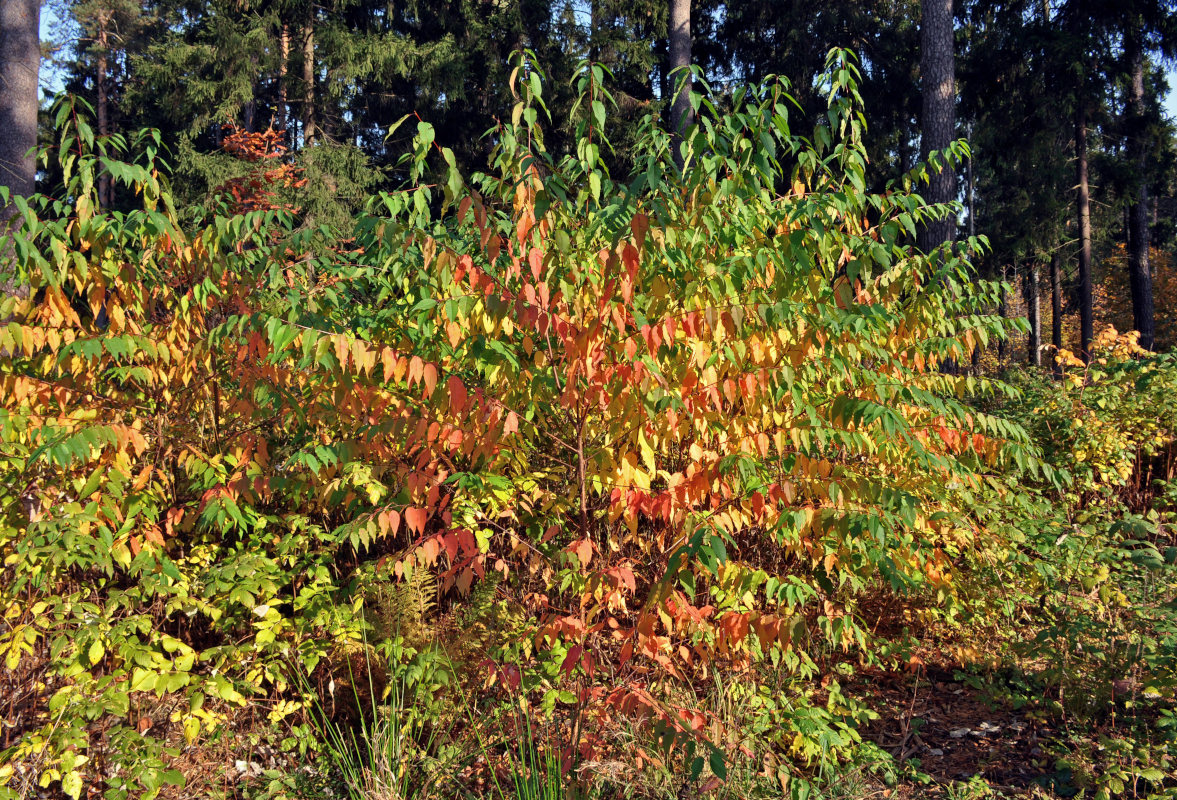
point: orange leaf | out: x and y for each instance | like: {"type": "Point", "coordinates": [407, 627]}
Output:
{"type": "Point", "coordinates": [415, 519]}
{"type": "Point", "coordinates": [583, 550]}
{"type": "Point", "coordinates": [464, 580]}
{"type": "Point", "coordinates": [429, 373]}
{"type": "Point", "coordinates": [430, 549]}
{"type": "Point", "coordinates": [390, 521]}
{"type": "Point", "coordinates": [388, 360]}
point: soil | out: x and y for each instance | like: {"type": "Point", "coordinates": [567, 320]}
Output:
{"type": "Point", "coordinates": [951, 731]}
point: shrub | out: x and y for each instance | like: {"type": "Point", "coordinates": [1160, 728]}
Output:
{"type": "Point", "coordinates": [688, 419]}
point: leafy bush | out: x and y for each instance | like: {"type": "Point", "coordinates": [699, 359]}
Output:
{"type": "Point", "coordinates": [688, 420]}
{"type": "Point", "coordinates": [1075, 581]}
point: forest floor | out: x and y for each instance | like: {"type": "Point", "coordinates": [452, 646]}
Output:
{"type": "Point", "coordinates": [957, 735]}
{"type": "Point", "coordinates": [953, 730]}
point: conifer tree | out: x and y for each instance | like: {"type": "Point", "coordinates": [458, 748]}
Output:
{"type": "Point", "coordinates": [938, 120]}
{"type": "Point", "coordinates": [20, 64]}
{"type": "Point", "coordinates": [105, 34]}
{"type": "Point", "coordinates": [681, 114]}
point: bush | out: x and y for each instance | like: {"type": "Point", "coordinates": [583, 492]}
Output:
{"type": "Point", "coordinates": [688, 420]}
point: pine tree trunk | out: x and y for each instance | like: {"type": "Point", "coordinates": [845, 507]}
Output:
{"type": "Point", "coordinates": [972, 189]}
{"type": "Point", "coordinates": [1139, 276]}
{"type": "Point", "coordinates": [662, 53]}
{"type": "Point", "coordinates": [1056, 308]}
{"type": "Point", "coordinates": [249, 110]}
{"type": "Point", "coordinates": [938, 122]}
{"type": "Point", "coordinates": [20, 65]}
{"type": "Point", "coordinates": [1083, 208]}
{"type": "Point", "coordinates": [905, 164]}
{"type": "Point", "coordinates": [309, 126]}
{"type": "Point", "coordinates": [104, 185]}
{"type": "Point", "coordinates": [283, 57]}
{"type": "Point", "coordinates": [1003, 310]}
{"type": "Point", "coordinates": [1034, 314]}
{"type": "Point", "coordinates": [681, 114]}
{"type": "Point", "coordinates": [972, 200]}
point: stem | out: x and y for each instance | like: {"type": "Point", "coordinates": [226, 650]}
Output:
{"type": "Point", "coordinates": [581, 477]}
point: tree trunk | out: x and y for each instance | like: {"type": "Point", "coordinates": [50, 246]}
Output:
{"type": "Point", "coordinates": [283, 58]}
{"type": "Point", "coordinates": [1083, 207]}
{"type": "Point", "coordinates": [20, 64]}
{"type": "Point", "coordinates": [972, 188]}
{"type": "Point", "coordinates": [105, 188]}
{"type": "Point", "coordinates": [1056, 308]}
{"type": "Point", "coordinates": [681, 114]}
{"type": "Point", "coordinates": [249, 110]}
{"type": "Point", "coordinates": [1034, 314]}
{"type": "Point", "coordinates": [1139, 276]}
{"type": "Point", "coordinates": [309, 127]}
{"type": "Point", "coordinates": [1003, 310]}
{"type": "Point", "coordinates": [972, 200]}
{"type": "Point", "coordinates": [938, 122]}
{"type": "Point", "coordinates": [905, 164]}
{"type": "Point", "coordinates": [662, 53]}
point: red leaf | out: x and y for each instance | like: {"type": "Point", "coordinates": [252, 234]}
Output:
{"type": "Point", "coordinates": [457, 392]}
{"type": "Point", "coordinates": [627, 578]}
{"type": "Point", "coordinates": [571, 660]}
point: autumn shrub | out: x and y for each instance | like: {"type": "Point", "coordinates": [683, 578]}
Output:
{"type": "Point", "coordinates": [1073, 586]}
{"type": "Point", "coordinates": [1111, 423]}
{"type": "Point", "coordinates": [680, 423]}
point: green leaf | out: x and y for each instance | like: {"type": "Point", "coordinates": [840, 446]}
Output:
{"type": "Point", "coordinates": [71, 784]}
{"type": "Point", "coordinates": [716, 761]}
{"type": "Point", "coordinates": [425, 133]}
